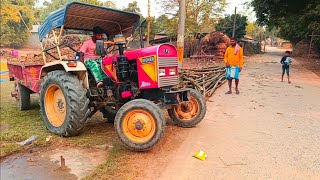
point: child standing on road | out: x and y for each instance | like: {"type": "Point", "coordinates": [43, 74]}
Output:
{"type": "Point", "coordinates": [286, 62]}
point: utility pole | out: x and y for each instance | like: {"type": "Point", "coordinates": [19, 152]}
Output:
{"type": "Point", "coordinates": [234, 22]}
{"type": "Point", "coordinates": [149, 24]}
{"type": "Point", "coordinates": [265, 42]}
{"type": "Point", "coordinates": [181, 27]}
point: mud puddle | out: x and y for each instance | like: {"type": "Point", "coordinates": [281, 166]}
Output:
{"type": "Point", "coordinates": [79, 162]}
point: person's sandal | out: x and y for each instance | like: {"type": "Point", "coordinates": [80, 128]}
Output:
{"type": "Point", "coordinates": [100, 84]}
{"type": "Point", "coordinates": [228, 92]}
{"type": "Point", "coordinates": [237, 92]}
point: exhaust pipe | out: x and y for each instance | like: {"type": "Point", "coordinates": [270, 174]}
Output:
{"type": "Point", "coordinates": [140, 31]}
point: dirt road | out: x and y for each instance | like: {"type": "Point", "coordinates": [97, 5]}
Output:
{"type": "Point", "coordinates": [270, 130]}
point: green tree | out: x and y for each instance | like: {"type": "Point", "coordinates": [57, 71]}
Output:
{"type": "Point", "coordinates": [201, 14]}
{"type": "Point", "coordinates": [110, 4]}
{"type": "Point", "coordinates": [56, 4]}
{"type": "Point", "coordinates": [133, 7]}
{"type": "Point", "coordinates": [295, 19]}
{"type": "Point", "coordinates": [254, 30]}
{"type": "Point", "coordinates": [16, 20]}
{"type": "Point", "coordinates": [250, 29]}
{"type": "Point", "coordinates": [164, 24]}
{"type": "Point", "coordinates": [225, 25]}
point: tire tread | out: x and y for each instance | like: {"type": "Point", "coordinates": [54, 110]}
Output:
{"type": "Point", "coordinates": [154, 110]}
{"type": "Point", "coordinates": [76, 99]}
{"type": "Point", "coordinates": [195, 121]}
{"type": "Point", "coordinates": [24, 103]}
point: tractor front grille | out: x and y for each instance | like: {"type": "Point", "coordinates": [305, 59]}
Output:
{"type": "Point", "coordinates": [168, 62]}
{"type": "Point", "coordinates": [168, 80]}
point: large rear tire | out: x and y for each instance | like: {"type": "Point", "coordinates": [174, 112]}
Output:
{"type": "Point", "coordinates": [63, 103]}
{"type": "Point", "coordinates": [191, 113]}
{"type": "Point", "coordinates": [23, 96]}
{"type": "Point", "coordinates": [140, 124]}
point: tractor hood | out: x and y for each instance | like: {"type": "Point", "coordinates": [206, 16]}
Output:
{"type": "Point", "coordinates": [157, 66]}
{"type": "Point", "coordinates": [163, 50]}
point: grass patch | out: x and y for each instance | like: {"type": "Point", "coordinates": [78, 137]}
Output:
{"type": "Point", "coordinates": [96, 132]}
{"type": "Point", "coordinates": [9, 148]}
{"type": "Point", "coordinates": [18, 125]}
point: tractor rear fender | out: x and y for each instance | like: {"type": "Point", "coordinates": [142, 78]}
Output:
{"type": "Point", "coordinates": [80, 70]}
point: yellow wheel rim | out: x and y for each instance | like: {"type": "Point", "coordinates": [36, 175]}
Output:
{"type": "Point", "coordinates": [55, 105]}
{"type": "Point", "coordinates": [139, 126]}
{"type": "Point", "coordinates": [189, 110]}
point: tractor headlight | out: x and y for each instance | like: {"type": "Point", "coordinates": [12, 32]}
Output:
{"type": "Point", "coordinates": [162, 72]}
{"type": "Point", "coordinates": [173, 71]}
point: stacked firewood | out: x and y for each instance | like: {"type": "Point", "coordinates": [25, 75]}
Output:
{"type": "Point", "coordinates": [203, 79]}
{"type": "Point", "coordinates": [69, 45]}
{"type": "Point", "coordinates": [214, 44]}
{"type": "Point", "coordinates": [29, 59]}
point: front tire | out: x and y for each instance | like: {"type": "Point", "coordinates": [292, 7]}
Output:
{"type": "Point", "coordinates": [63, 103]}
{"type": "Point", "coordinates": [140, 124]}
{"type": "Point", "coordinates": [191, 113]}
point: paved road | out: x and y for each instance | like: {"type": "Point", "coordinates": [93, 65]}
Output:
{"type": "Point", "coordinates": [270, 131]}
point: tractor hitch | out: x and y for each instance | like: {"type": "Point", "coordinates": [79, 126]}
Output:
{"type": "Point", "coordinates": [176, 97]}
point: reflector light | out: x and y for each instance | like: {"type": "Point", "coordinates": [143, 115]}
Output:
{"type": "Point", "coordinates": [173, 71]}
{"type": "Point", "coordinates": [162, 72]}
{"type": "Point", "coordinates": [72, 64]}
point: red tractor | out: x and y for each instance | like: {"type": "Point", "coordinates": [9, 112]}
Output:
{"type": "Point", "coordinates": [139, 84]}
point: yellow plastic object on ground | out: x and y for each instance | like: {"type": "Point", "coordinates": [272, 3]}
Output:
{"type": "Point", "coordinates": [200, 155]}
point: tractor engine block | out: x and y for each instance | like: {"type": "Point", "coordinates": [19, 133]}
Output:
{"type": "Point", "coordinates": [122, 68]}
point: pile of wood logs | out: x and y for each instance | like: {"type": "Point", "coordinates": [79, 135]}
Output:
{"type": "Point", "coordinates": [70, 40]}
{"type": "Point", "coordinates": [213, 44]}
{"type": "Point", "coordinates": [203, 79]}
{"type": "Point", "coordinates": [29, 59]}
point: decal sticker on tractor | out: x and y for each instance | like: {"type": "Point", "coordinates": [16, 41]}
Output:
{"type": "Point", "coordinates": [148, 60]}
{"type": "Point", "coordinates": [148, 71]}
{"type": "Point", "coordinates": [145, 84]}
